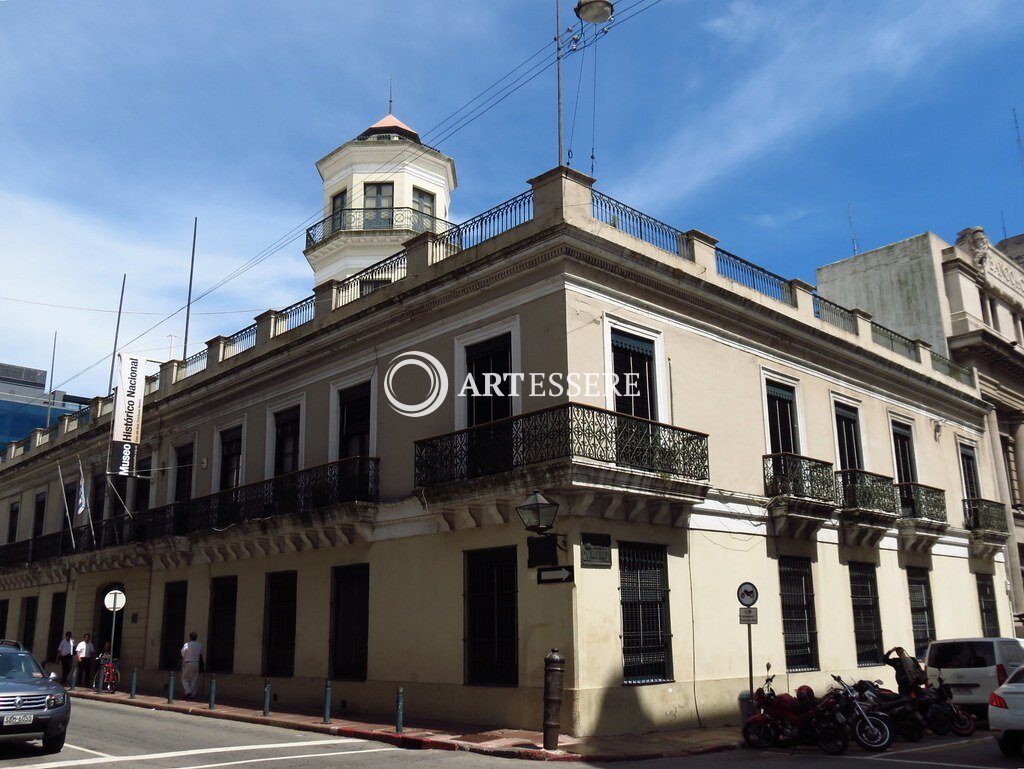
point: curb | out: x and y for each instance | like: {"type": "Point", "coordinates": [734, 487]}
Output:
{"type": "Point", "coordinates": [404, 741]}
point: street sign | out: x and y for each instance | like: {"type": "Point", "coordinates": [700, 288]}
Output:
{"type": "Point", "coordinates": [555, 575]}
{"type": "Point", "coordinates": [747, 594]}
{"type": "Point", "coordinates": [114, 600]}
{"type": "Point", "coordinates": [748, 615]}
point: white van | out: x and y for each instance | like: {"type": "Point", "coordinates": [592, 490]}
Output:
{"type": "Point", "coordinates": [973, 667]}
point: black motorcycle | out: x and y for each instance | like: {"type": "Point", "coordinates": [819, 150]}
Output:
{"type": "Point", "coordinates": [871, 730]}
{"type": "Point", "coordinates": [901, 709]}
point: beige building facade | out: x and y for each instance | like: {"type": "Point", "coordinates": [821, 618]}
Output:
{"type": "Point", "coordinates": [308, 530]}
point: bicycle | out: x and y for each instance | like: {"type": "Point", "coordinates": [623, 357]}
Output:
{"type": "Point", "coordinates": [107, 677]}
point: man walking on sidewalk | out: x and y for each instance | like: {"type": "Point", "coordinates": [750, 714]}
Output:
{"type": "Point", "coordinates": [65, 655]}
{"type": "Point", "coordinates": [191, 653]}
{"type": "Point", "coordinates": [85, 654]}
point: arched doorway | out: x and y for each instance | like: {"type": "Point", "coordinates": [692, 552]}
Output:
{"type": "Point", "coordinates": [106, 619]}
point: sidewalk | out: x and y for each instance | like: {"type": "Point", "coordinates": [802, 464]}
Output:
{"type": "Point", "coordinates": [505, 743]}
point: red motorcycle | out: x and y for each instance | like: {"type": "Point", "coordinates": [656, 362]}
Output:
{"type": "Point", "coordinates": [781, 719]}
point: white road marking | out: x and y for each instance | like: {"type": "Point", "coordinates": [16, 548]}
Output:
{"type": "Point", "coordinates": [195, 752]}
{"type": "Point", "coordinates": [86, 750]}
{"type": "Point", "coordinates": [288, 758]}
{"type": "Point", "coordinates": [934, 746]}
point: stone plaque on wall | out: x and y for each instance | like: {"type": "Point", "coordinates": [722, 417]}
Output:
{"type": "Point", "coordinates": [597, 551]}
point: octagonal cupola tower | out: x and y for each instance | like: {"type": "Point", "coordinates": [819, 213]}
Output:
{"type": "Point", "coordinates": [380, 189]}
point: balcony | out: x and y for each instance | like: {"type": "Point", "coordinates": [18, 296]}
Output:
{"type": "Point", "coordinates": [349, 480]}
{"type": "Point", "coordinates": [922, 516]}
{"type": "Point", "coordinates": [611, 442]}
{"type": "Point", "coordinates": [801, 491]}
{"type": "Point", "coordinates": [986, 521]}
{"type": "Point", "coordinates": [868, 506]}
{"type": "Point", "coordinates": [374, 220]}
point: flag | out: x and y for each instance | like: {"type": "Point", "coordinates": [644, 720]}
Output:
{"type": "Point", "coordinates": [82, 506]}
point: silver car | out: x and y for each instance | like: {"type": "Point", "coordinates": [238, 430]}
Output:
{"type": "Point", "coordinates": [32, 705]}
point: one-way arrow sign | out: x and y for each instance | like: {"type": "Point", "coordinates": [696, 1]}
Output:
{"type": "Point", "coordinates": [554, 574]}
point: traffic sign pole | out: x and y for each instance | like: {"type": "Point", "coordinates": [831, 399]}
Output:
{"type": "Point", "coordinates": [750, 662]}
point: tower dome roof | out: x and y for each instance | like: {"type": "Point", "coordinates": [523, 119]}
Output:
{"type": "Point", "coordinates": [389, 124]}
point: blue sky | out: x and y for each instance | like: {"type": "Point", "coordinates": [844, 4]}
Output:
{"type": "Point", "coordinates": [757, 122]}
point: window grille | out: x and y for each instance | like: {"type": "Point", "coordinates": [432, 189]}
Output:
{"type": "Point", "coordinates": [633, 362]}
{"type": "Point", "coordinates": [220, 641]}
{"type": "Point", "coordinates": [172, 634]}
{"type": "Point", "coordinates": [279, 624]}
{"type": "Point", "coordinates": [351, 619]}
{"type": "Point", "coordinates": [848, 431]}
{"type": "Point", "coordinates": [799, 627]}
{"type": "Point", "coordinates": [987, 602]}
{"type": "Point", "coordinates": [491, 623]}
{"type": "Point", "coordinates": [922, 617]}
{"type": "Point", "coordinates": [646, 633]}
{"type": "Point", "coordinates": [867, 623]}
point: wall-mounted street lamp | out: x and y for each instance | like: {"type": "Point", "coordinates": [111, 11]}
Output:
{"type": "Point", "coordinates": [537, 513]}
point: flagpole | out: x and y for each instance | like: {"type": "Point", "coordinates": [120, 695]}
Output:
{"type": "Point", "coordinates": [188, 301]}
{"type": "Point", "coordinates": [117, 332]}
{"type": "Point", "coordinates": [53, 360]}
{"type": "Point", "coordinates": [67, 510]}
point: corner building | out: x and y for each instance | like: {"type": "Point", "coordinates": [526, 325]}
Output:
{"type": "Point", "coordinates": [308, 531]}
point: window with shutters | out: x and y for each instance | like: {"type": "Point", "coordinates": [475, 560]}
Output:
{"type": "Point", "coordinates": [13, 513]}
{"type": "Point", "coordinates": [922, 616]}
{"type": "Point", "coordinates": [230, 458]}
{"type": "Point", "coordinates": [172, 631]}
{"type": "Point", "coordinates": [183, 473]}
{"type": "Point", "coordinates": [350, 622]}
{"type": "Point", "coordinates": [987, 603]}
{"type": "Point", "coordinates": [867, 622]}
{"type": "Point", "coordinates": [633, 365]}
{"type": "Point", "coordinates": [799, 627]}
{"type": "Point", "coordinates": [1010, 464]}
{"type": "Point", "coordinates": [783, 433]}
{"type": "Point", "coordinates": [489, 361]}
{"type": "Point", "coordinates": [5, 606]}
{"type": "Point", "coordinates": [287, 433]}
{"type": "Point", "coordinates": [279, 624]}
{"type": "Point", "coordinates": [848, 437]}
{"type": "Point", "coordinates": [354, 421]}
{"type": "Point", "coordinates": [491, 617]}
{"type": "Point", "coordinates": [220, 640]}
{"type": "Point", "coordinates": [39, 519]}
{"type": "Point", "coordinates": [969, 469]}
{"type": "Point", "coordinates": [646, 633]}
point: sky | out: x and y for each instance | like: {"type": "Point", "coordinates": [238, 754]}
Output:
{"type": "Point", "coordinates": [764, 124]}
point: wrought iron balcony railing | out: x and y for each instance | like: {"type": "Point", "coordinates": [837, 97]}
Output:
{"type": "Point", "coordinates": [985, 514]}
{"type": "Point", "coordinates": [860, 490]}
{"type": "Point", "coordinates": [919, 501]}
{"type": "Point", "coordinates": [791, 475]}
{"type": "Point", "coordinates": [374, 219]}
{"type": "Point", "coordinates": [353, 479]}
{"type": "Point", "coordinates": [566, 431]}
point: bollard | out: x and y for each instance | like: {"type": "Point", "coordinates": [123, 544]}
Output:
{"type": "Point", "coordinates": [213, 691]}
{"type": "Point", "coordinates": [135, 682]}
{"type": "Point", "coordinates": [170, 689]}
{"type": "Point", "coordinates": [400, 711]}
{"type": "Point", "coordinates": [327, 702]}
{"type": "Point", "coordinates": [266, 697]}
{"type": "Point", "coordinates": [554, 671]}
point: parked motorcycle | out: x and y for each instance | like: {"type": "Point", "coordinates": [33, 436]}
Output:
{"type": "Point", "coordinates": [871, 730]}
{"type": "Point", "coordinates": [781, 719]}
{"type": "Point", "coordinates": [901, 710]}
{"type": "Point", "coordinates": [934, 703]}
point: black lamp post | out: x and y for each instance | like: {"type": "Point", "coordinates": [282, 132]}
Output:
{"type": "Point", "coordinates": [537, 513]}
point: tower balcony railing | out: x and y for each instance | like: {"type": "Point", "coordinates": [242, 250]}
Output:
{"type": "Point", "coordinates": [984, 515]}
{"type": "Point", "coordinates": [374, 220]}
{"type": "Point", "coordinates": [791, 475]}
{"type": "Point", "coordinates": [922, 502]}
{"type": "Point", "coordinates": [568, 431]}
{"type": "Point", "coordinates": [860, 490]}
{"type": "Point", "coordinates": [355, 479]}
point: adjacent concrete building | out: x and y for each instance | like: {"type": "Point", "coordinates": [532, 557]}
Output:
{"type": "Point", "coordinates": [25, 405]}
{"type": "Point", "coordinates": [319, 500]}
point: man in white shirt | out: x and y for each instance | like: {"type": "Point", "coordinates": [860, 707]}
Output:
{"type": "Point", "coordinates": [85, 654]}
{"type": "Point", "coordinates": [191, 653]}
{"type": "Point", "coordinates": [65, 656]}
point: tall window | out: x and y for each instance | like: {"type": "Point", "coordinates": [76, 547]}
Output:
{"type": "Point", "coordinates": [490, 357]}
{"type": "Point", "coordinates": [922, 616]}
{"type": "Point", "coordinates": [350, 622]}
{"type": "Point", "coordinates": [172, 631]}
{"type": "Point", "coordinates": [848, 433]}
{"type": "Point", "coordinates": [70, 501]}
{"type": "Point", "coordinates": [98, 498]}
{"type": "Point", "coordinates": [987, 602]}
{"type": "Point", "coordinates": [142, 483]}
{"type": "Point", "coordinates": [867, 623]}
{"type": "Point", "coordinates": [339, 219]}
{"type": "Point", "coordinates": [491, 629]}
{"type": "Point", "coordinates": [279, 624]}
{"type": "Point", "coordinates": [1010, 465]}
{"type": "Point", "coordinates": [58, 604]}
{"type": "Point", "coordinates": [29, 610]}
{"type": "Point", "coordinates": [39, 518]}
{"type": "Point", "coordinates": [378, 200]}
{"type": "Point", "coordinates": [969, 468]}
{"type": "Point", "coordinates": [183, 460]}
{"type": "Point", "coordinates": [783, 433]}
{"type": "Point", "coordinates": [646, 632]}
{"type": "Point", "coordinates": [220, 640]}
{"type": "Point", "coordinates": [799, 627]}
{"type": "Point", "coordinates": [354, 421]}
{"type": "Point", "coordinates": [287, 429]}
{"type": "Point", "coordinates": [12, 521]}
{"type": "Point", "coordinates": [906, 469]}
{"type": "Point", "coordinates": [423, 201]}
{"type": "Point", "coordinates": [633, 362]}
{"type": "Point", "coordinates": [5, 606]}
{"type": "Point", "coordinates": [230, 458]}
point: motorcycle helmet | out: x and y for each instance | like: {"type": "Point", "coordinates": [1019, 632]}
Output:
{"type": "Point", "coordinates": [805, 694]}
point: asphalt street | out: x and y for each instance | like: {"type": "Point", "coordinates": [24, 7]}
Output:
{"type": "Point", "coordinates": [104, 736]}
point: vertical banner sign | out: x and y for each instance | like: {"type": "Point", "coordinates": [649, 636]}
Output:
{"type": "Point", "coordinates": [127, 425]}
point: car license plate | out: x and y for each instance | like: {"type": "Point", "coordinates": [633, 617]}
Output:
{"type": "Point", "coordinates": [962, 689]}
{"type": "Point", "coordinates": [14, 720]}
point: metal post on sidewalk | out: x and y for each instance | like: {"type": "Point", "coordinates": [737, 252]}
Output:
{"type": "Point", "coordinates": [74, 674]}
{"type": "Point", "coordinates": [213, 691]}
{"type": "Point", "coordinates": [170, 689]}
{"type": "Point", "coordinates": [135, 683]}
{"type": "Point", "coordinates": [327, 702]}
{"type": "Point", "coordinates": [400, 711]}
{"type": "Point", "coordinates": [554, 671]}
{"type": "Point", "coordinates": [266, 697]}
